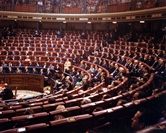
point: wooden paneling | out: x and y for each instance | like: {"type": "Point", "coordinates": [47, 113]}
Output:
{"type": "Point", "coordinates": [24, 81]}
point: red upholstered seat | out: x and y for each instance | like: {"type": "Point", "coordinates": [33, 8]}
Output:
{"type": "Point", "coordinates": [3, 120]}
{"type": "Point", "coordinates": [70, 111]}
{"type": "Point", "coordinates": [103, 116]}
{"type": "Point", "coordinates": [36, 104]}
{"type": "Point", "coordinates": [74, 102]}
{"type": "Point", "coordinates": [150, 98]}
{"type": "Point", "coordinates": [5, 124]}
{"type": "Point", "coordinates": [79, 122]}
{"type": "Point", "coordinates": [15, 107]}
{"type": "Point", "coordinates": [37, 100]}
{"type": "Point", "coordinates": [51, 107]}
{"type": "Point", "coordinates": [100, 103]}
{"type": "Point", "coordinates": [2, 104]}
{"type": "Point", "coordinates": [14, 130]}
{"type": "Point", "coordinates": [32, 118]}
{"type": "Point", "coordinates": [88, 108]}
{"type": "Point", "coordinates": [21, 111]}
{"type": "Point", "coordinates": [100, 117]}
{"type": "Point", "coordinates": [111, 102]}
{"type": "Point", "coordinates": [7, 113]}
{"type": "Point", "coordinates": [35, 128]}
{"type": "Point", "coordinates": [59, 99]}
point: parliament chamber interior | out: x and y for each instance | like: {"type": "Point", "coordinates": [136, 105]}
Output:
{"type": "Point", "coordinates": [83, 66]}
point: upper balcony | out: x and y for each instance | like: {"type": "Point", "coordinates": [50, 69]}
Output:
{"type": "Point", "coordinates": [82, 10]}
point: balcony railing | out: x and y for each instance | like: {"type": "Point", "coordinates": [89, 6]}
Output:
{"type": "Point", "coordinates": [95, 8]}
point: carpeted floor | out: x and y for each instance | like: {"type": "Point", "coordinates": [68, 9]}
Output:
{"type": "Point", "coordinates": [25, 93]}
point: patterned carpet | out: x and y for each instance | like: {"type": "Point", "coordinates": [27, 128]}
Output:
{"type": "Point", "coordinates": [25, 93]}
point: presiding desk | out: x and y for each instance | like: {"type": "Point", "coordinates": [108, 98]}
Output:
{"type": "Point", "coordinates": [24, 81]}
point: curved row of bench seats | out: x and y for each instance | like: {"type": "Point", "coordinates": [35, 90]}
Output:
{"type": "Point", "coordinates": [88, 107]}
{"type": "Point", "coordinates": [123, 52]}
{"type": "Point", "coordinates": [139, 45]}
{"type": "Point", "coordinates": [53, 34]}
{"type": "Point", "coordinates": [51, 38]}
{"type": "Point", "coordinates": [121, 45]}
{"type": "Point", "coordinates": [142, 87]}
{"type": "Point", "coordinates": [114, 109]}
{"type": "Point", "coordinates": [41, 50]}
{"type": "Point", "coordinates": [132, 49]}
{"type": "Point", "coordinates": [31, 128]}
{"type": "Point", "coordinates": [34, 65]}
{"type": "Point", "coordinates": [129, 107]}
{"type": "Point", "coordinates": [40, 103]}
{"type": "Point", "coordinates": [78, 50]}
{"type": "Point", "coordinates": [125, 70]}
{"type": "Point", "coordinates": [131, 56]}
{"type": "Point", "coordinates": [77, 44]}
{"type": "Point", "coordinates": [83, 70]}
{"type": "Point", "coordinates": [96, 118]}
{"type": "Point", "coordinates": [107, 74]}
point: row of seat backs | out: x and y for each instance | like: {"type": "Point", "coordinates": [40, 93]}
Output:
{"type": "Point", "coordinates": [106, 115]}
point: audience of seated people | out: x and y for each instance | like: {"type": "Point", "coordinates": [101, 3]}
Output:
{"type": "Point", "coordinates": [139, 75]}
{"type": "Point", "coordinates": [93, 6]}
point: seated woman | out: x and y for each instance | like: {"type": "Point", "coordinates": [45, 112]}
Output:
{"type": "Point", "coordinates": [67, 65]}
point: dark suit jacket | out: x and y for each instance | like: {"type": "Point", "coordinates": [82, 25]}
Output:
{"type": "Point", "coordinates": [7, 94]}
{"type": "Point", "coordinates": [49, 75]}
{"type": "Point", "coordinates": [10, 71]}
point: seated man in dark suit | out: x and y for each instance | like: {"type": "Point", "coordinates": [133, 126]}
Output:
{"type": "Point", "coordinates": [36, 34]}
{"type": "Point", "coordinates": [57, 72]}
{"type": "Point", "coordinates": [59, 34]}
{"type": "Point", "coordinates": [10, 70]}
{"type": "Point", "coordinates": [34, 71]}
{"type": "Point", "coordinates": [18, 70]}
{"type": "Point", "coordinates": [2, 70]}
{"type": "Point", "coordinates": [97, 77]}
{"type": "Point", "coordinates": [47, 77]}
{"type": "Point", "coordinates": [7, 93]}
{"type": "Point", "coordinates": [83, 35]}
{"type": "Point", "coordinates": [26, 69]}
